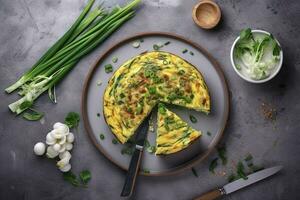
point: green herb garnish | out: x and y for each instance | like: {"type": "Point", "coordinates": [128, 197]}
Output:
{"type": "Point", "coordinates": [222, 154]}
{"type": "Point", "coordinates": [213, 165]}
{"type": "Point", "coordinates": [161, 109]}
{"type": "Point", "coordinates": [184, 50]}
{"type": "Point", "coordinates": [114, 141]}
{"type": "Point", "coordinates": [72, 120]}
{"type": "Point", "coordinates": [71, 178]}
{"type": "Point", "coordinates": [102, 137]}
{"type": "Point", "coordinates": [114, 59]}
{"type": "Point", "coordinates": [191, 53]}
{"type": "Point", "coordinates": [208, 133]}
{"type": "Point", "coordinates": [167, 43]}
{"type": "Point", "coordinates": [248, 158]}
{"type": "Point", "coordinates": [85, 176]}
{"type": "Point", "coordinates": [98, 114]}
{"type": "Point", "coordinates": [108, 68]}
{"type": "Point", "coordinates": [25, 105]}
{"type": "Point", "coordinates": [156, 47]}
{"type": "Point", "coordinates": [33, 115]}
{"type": "Point", "coordinates": [146, 171]}
{"type": "Point", "coordinates": [193, 119]}
{"type": "Point", "coordinates": [194, 172]}
{"type": "Point", "coordinates": [240, 171]}
{"type": "Point", "coordinates": [152, 90]}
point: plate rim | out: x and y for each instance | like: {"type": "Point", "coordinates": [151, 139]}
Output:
{"type": "Point", "coordinates": [215, 64]}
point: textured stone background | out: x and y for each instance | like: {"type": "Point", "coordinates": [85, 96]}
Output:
{"type": "Point", "coordinates": [29, 27]}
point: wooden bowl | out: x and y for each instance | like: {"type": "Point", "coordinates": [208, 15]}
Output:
{"type": "Point", "coordinates": [206, 14]}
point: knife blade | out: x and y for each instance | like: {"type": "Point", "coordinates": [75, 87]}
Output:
{"type": "Point", "coordinates": [141, 135]}
{"type": "Point", "coordinates": [240, 183]}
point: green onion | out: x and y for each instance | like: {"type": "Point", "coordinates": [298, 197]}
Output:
{"type": "Point", "coordinates": [34, 115]}
{"type": "Point", "coordinates": [184, 50]}
{"type": "Point", "coordinates": [108, 68]}
{"type": "Point", "coordinates": [193, 119]}
{"type": "Point", "coordinates": [88, 31]}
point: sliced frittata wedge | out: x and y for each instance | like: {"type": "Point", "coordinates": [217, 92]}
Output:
{"type": "Point", "coordinates": [173, 134]}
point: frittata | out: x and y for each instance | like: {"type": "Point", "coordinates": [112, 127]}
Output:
{"type": "Point", "coordinates": [173, 134]}
{"type": "Point", "coordinates": [145, 80]}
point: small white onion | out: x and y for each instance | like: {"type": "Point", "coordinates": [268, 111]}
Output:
{"type": "Point", "coordinates": [69, 146]}
{"type": "Point", "coordinates": [65, 154]}
{"type": "Point", "coordinates": [62, 140]}
{"type": "Point", "coordinates": [50, 140]}
{"type": "Point", "coordinates": [56, 134]}
{"type": "Point", "coordinates": [57, 125]}
{"type": "Point", "coordinates": [63, 162]}
{"type": "Point", "coordinates": [62, 148]}
{"type": "Point", "coordinates": [61, 127]}
{"type": "Point", "coordinates": [39, 148]}
{"type": "Point", "coordinates": [56, 147]}
{"type": "Point", "coordinates": [70, 138]}
{"type": "Point", "coordinates": [66, 168]}
{"type": "Point", "coordinates": [51, 153]}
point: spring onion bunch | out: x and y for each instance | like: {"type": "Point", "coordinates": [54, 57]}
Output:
{"type": "Point", "coordinates": [89, 30]}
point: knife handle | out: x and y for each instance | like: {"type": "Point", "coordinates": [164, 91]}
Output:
{"type": "Point", "coordinates": [211, 195]}
{"type": "Point", "coordinates": [132, 173]}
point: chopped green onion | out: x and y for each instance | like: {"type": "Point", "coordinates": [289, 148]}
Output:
{"type": "Point", "coordinates": [108, 68]}
{"type": "Point", "coordinates": [114, 141]}
{"type": "Point", "coordinates": [167, 43]}
{"type": "Point", "coordinates": [34, 115]}
{"type": "Point", "coordinates": [114, 59]}
{"type": "Point", "coordinates": [193, 119]}
{"type": "Point", "coordinates": [102, 137]}
{"type": "Point", "coordinates": [184, 50]}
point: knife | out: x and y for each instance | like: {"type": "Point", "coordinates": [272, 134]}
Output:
{"type": "Point", "coordinates": [136, 158]}
{"type": "Point", "coordinates": [240, 183]}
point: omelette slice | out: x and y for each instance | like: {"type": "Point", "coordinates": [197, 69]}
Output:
{"type": "Point", "coordinates": [143, 81]}
{"type": "Point", "coordinates": [173, 134]}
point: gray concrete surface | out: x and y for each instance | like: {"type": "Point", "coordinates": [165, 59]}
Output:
{"type": "Point", "coordinates": [29, 27]}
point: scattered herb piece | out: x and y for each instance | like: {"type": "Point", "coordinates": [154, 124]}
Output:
{"type": "Point", "coordinates": [102, 137]}
{"type": "Point", "coordinates": [146, 171]}
{"type": "Point", "coordinates": [71, 178]}
{"type": "Point", "coordinates": [141, 40]}
{"type": "Point", "coordinates": [136, 44]}
{"type": "Point", "coordinates": [184, 50]}
{"type": "Point", "coordinates": [231, 178]}
{"type": "Point", "coordinates": [114, 59]}
{"type": "Point", "coordinates": [240, 171]}
{"type": "Point", "coordinates": [161, 109]}
{"type": "Point", "coordinates": [193, 119]}
{"type": "Point", "coordinates": [151, 149]}
{"type": "Point", "coordinates": [108, 68]}
{"type": "Point", "coordinates": [33, 115]}
{"type": "Point", "coordinates": [98, 114]}
{"type": "Point", "coordinates": [167, 43]}
{"type": "Point", "coordinates": [208, 133]}
{"type": "Point", "coordinates": [222, 155]}
{"type": "Point", "coordinates": [114, 141]}
{"type": "Point", "coordinates": [85, 176]}
{"type": "Point", "coordinates": [194, 172]}
{"type": "Point", "coordinates": [72, 119]}
{"type": "Point", "coordinates": [213, 165]}
{"type": "Point", "coordinates": [248, 158]}
{"type": "Point", "coordinates": [191, 53]}
{"type": "Point", "coordinates": [156, 47]}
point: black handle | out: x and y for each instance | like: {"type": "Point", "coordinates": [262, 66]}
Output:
{"type": "Point", "coordinates": [132, 173]}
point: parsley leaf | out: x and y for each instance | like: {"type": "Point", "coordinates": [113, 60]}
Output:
{"type": "Point", "coordinates": [85, 176]}
{"type": "Point", "coordinates": [72, 120]}
{"type": "Point", "coordinates": [71, 178]}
